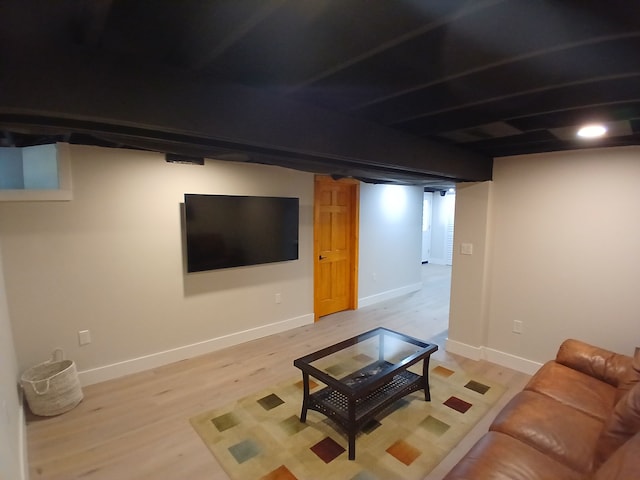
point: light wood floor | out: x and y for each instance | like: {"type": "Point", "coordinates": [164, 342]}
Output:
{"type": "Point", "coordinates": [136, 427]}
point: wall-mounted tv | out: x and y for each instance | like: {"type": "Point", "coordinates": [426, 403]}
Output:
{"type": "Point", "coordinates": [224, 231]}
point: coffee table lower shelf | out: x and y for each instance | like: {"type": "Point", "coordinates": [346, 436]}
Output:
{"type": "Point", "coordinates": [352, 413]}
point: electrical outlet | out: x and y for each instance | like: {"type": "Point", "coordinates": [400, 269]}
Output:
{"type": "Point", "coordinates": [517, 326]}
{"type": "Point", "coordinates": [84, 337]}
{"type": "Point", "coordinates": [466, 249]}
{"type": "Point", "coordinates": [278, 298]}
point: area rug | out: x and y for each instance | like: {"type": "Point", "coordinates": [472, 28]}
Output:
{"type": "Point", "coordinates": [261, 436]}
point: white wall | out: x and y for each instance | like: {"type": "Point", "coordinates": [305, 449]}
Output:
{"type": "Point", "coordinates": [555, 246]}
{"type": "Point", "coordinates": [390, 242]}
{"type": "Point", "coordinates": [470, 282]}
{"type": "Point", "coordinates": [12, 451]}
{"type": "Point", "coordinates": [441, 224]}
{"type": "Point", "coordinates": [427, 220]}
{"type": "Point", "coordinates": [111, 261]}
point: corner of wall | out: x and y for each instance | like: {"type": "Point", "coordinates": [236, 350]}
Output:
{"type": "Point", "coordinates": [491, 355]}
{"type": "Point", "coordinates": [22, 440]}
{"type": "Point", "coordinates": [468, 318]}
{"type": "Point", "coordinates": [464, 350]}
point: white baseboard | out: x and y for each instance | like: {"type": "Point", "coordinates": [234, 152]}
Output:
{"type": "Point", "coordinates": [512, 361]}
{"type": "Point", "coordinates": [388, 295]}
{"type": "Point", "coordinates": [494, 356]}
{"type": "Point", "coordinates": [134, 365]}
{"type": "Point", "coordinates": [462, 349]}
{"type": "Point", "coordinates": [439, 261]}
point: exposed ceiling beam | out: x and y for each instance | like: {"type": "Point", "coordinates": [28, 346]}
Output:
{"type": "Point", "coordinates": [120, 98]}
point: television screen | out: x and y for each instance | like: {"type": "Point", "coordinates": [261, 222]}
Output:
{"type": "Point", "coordinates": [225, 231]}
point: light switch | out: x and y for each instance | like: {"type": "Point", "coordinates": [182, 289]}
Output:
{"type": "Point", "coordinates": [466, 248]}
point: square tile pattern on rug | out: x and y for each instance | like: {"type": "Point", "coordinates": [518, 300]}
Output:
{"type": "Point", "coordinates": [261, 436]}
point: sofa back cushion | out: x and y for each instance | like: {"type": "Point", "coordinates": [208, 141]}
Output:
{"type": "Point", "coordinates": [631, 378]}
{"type": "Point", "coordinates": [597, 362]}
{"type": "Point", "coordinates": [622, 424]}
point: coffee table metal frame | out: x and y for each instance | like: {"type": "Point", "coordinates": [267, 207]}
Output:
{"type": "Point", "coordinates": [355, 399]}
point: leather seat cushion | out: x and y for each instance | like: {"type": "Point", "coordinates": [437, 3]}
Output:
{"type": "Point", "coordinates": [574, 389]}
{"type": "Point", "coordinates": [500, 457]}
{"type": "Point", "coordinates": [562, 432]}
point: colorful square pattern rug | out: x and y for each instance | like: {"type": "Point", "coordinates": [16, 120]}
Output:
{"type": "Point", "coordinates": [261, 436]}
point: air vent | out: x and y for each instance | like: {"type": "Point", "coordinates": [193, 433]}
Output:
{"type": "Point", "coordinates": [482, 132]}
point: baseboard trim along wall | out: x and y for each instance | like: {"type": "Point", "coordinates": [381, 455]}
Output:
{"type": "Point", "coordinates": [154, 360]}
{"type": "Point", "coordinates": [494, 356]}
{"type": "Point", "coordinates": [467, 351]}
{"type": "Point", "coordinates": [388, 295]}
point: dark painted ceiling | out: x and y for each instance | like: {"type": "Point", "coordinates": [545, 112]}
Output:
{"type": "Point", "coordinates": [471, 79]}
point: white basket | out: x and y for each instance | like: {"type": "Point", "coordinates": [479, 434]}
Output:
{"type": "Point", "coordinates": [52, 387]}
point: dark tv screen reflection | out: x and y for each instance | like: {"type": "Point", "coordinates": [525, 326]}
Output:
{"type": "Point", "coordinates": [225, 231]}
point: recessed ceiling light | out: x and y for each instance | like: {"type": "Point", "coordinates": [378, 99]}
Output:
{"type": "Point", "coordinates": [592, 131]}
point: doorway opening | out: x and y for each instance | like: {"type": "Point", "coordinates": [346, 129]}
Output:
{"type": "Point", "coordinates": [438, 217]}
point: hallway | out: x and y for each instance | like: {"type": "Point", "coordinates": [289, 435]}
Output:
{"type": "Point", "coordinates": [422, 314]}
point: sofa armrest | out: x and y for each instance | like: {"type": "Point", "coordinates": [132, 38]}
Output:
{"type": "Point", "coordinates": [610, 367]}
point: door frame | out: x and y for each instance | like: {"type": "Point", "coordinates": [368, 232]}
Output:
{"type": "Point", "coordinates": [353, 239]}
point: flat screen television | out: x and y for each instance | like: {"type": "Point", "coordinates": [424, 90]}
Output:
{"type": "Point", "coordinates": [224, 231]}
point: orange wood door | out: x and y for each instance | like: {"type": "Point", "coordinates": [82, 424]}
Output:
{"type": "Point", "coordinates": [335, 245]}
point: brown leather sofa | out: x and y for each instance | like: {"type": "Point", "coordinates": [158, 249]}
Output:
{"type": "Point", "coordinates": [577, 418]}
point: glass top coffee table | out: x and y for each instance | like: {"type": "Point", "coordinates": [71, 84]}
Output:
{"type": "Point", "coordinates": [363, 376]}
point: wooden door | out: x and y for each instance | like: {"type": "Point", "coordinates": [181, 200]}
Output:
{"type": "Point", "coordinates": [335, 245]}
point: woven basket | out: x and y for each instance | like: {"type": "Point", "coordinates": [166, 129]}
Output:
{"type": "Point", "coordinates": [52, 387]}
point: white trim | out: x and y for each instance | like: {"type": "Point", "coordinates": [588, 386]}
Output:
{"type": "Point", "coordinates": [512, 361]}
{"type": "Point", "coordinates": [388, 295]}
{"type": "Point", "coordinates": [494, 356]}
{"type": "Point", "coordinates": [468, 351]}
{"type": "Point", "coordinates": [134, 365]}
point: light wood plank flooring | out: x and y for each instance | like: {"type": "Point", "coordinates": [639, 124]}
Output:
{"type": "Point", "coordinates": [136, 427]}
